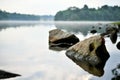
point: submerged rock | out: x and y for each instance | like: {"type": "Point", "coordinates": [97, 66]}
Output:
{"type": "Point", "coordinates": [5, 75]}
{"type": "Point", "coordinates": [118, 45]}
{"type": "Point", "coordinates": [90, 54]}
{"type": "Point", "coordinates": [59, 40]}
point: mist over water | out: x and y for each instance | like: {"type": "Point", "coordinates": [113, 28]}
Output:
{"type": "Point", "coordinates": [24, 50]}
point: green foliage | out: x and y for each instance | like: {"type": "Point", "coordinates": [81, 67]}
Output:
{"type": "Point", "coordinates": [15, 16]}
{"type": "Point", "coordinates": [105, 13]}
{"type": "Point", "coordinates": [118, 23]}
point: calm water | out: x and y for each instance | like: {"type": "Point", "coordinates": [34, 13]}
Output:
{"type": "Point", "coordinates": [24, 50]}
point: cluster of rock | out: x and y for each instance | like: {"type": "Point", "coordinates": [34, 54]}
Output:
{"type": "Point", "coordinates": [111, 31]}
{"type": "Point", "coordinates": [90, 54]}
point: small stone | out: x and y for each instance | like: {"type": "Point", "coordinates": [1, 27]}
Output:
{"type": "Point", "coordinates": [93, 31]}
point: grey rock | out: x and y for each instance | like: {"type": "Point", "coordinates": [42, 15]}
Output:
{"type": "Point", "coordinates": [60, 40]}
{"type": "Point", "coordinates": [113, 33]}
{"type": "Point", "coordinates": [93, 31]}
{"type": "Point", "coordinates": [90, 54]}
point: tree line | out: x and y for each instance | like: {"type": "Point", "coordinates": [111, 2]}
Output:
{"type": "Point", "coordinates": [17, 16]}
{"type": "Point", "coordinates": [105, 13]}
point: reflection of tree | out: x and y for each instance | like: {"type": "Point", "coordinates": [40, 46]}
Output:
{"type": "Point", "coordinates": [14, 24]}
{"type": "Point", "coordinates": [76, 28]}
{"type": "Point", "coordinates": [116, 73]}
{"type": "Point", "coordinates": [84, 28]}
{"type": "Point", "coordinates": [110, 30]}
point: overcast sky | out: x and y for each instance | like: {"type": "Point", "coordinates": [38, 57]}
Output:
{"type": "Point", "coordinates": [42, 7]}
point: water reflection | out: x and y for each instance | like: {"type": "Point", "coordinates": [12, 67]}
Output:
{"type": "Point", "coordinates": [24, 50]}
{"type": "Point", "coordinates": [104, 29]}
{"type": "Point", "coordinates": [84, 28]}
{"type": "Point", "coordinates": [95, 70]}
{"type": "Point", "coordinates": [15, 24]}
{"type": "Point", "coordinates": [90, 54]}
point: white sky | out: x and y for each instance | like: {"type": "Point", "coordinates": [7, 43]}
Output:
{"type": "Point", "coordinates": [42, 7]}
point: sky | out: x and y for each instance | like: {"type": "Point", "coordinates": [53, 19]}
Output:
{"type": "Point", "coordinates": [50, 7]}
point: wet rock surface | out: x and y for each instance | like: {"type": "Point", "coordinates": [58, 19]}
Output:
{"type": "Point", "coordinates": [90, 54]}
{"type": "Point", "coordinates": [5, 74]}
{"type": "Point", "coordinates": [93, 31]}
{"type": "Point", "coordinates": [60, 40]}
{"type": "Point", "coordinates": [118, 45]}
{"type": "Point", "coordinates": [113, 33]}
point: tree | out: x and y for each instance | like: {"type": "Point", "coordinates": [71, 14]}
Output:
{"type": "Point", "coordinates": [105, 13]}
{"type": "Point", "coordinates": [85, 7]}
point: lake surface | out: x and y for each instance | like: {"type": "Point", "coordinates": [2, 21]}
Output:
{"type": "Point", "coordinates": [24, 50]}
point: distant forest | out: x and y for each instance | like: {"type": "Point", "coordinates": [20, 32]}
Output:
{"type": "Point", "coordinates": [105, 13]}
{"type": "Point", "coordinates": [17, 16]}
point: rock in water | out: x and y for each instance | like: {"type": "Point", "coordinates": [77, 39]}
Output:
{"type": "Point", "coordinates": [90, 54]}
{"type": "Point", "coordinates": [5, 75]}
{"type": "Point", "coordinates": [116, 73]}
{"type": "Point", "coordinates": [113, 33]}
{"type": "Point", "coordinates": [60, 39]}
{"type": "Point", "coordinates": [93, 31]}
{"type": "Point", "coordinates": [118, 45]}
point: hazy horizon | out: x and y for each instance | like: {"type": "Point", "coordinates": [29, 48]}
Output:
{"type": "Point", "coordinates": [46, 7]}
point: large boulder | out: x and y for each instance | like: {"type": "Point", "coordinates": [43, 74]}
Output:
{"type": "Point", "coordinates": [90, 54]}
{"type": "Point", "coordinates": [59, 40]}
